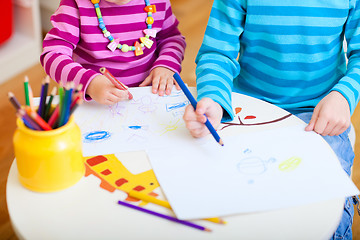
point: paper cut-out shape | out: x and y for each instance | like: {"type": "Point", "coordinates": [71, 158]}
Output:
{"type": "Point", "coordinates": [114, 175]}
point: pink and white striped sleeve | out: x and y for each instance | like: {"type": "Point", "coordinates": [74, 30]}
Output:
{"type": "Point", "coordinates": [59, 44]}
{"type": "Point", "coordinates": [171, 44]}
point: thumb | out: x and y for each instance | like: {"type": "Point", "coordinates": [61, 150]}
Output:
{"type": "Point", "coordinates": [146, 82]}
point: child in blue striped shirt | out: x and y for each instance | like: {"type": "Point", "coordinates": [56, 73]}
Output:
{"type": "Point", "coordinates": [289, 53]}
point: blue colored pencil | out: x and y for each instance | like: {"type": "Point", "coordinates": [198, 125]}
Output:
{"type": "Point", "coordinates": [189, 224]}
{"type": "Point", "coordinates": [28, 120]}
{"type": "Point", "coordinates": [194, 103]}
{"type": "Point", "coordinates": [67, 101]}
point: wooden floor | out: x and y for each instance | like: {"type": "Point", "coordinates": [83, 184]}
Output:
{"type": "Point", "coordinates": [193, 16]}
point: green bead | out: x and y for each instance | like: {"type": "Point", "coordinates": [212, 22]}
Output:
{"type": "Point", "coordinates": [98, 12]}
{"type": "Point", "coordinates": [125, 48]}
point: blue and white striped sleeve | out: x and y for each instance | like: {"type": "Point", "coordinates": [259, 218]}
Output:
{"type": "Point", "coordinates": [217, 63]}
{"type": "Point", "coordinates": [349, 85]}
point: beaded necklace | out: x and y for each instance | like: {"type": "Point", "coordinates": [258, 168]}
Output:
{"type": "Point", "coordinates": [138, 47]}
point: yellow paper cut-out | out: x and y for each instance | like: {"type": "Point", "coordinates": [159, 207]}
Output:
{"type": "Point", "coordinates": [114, 175]}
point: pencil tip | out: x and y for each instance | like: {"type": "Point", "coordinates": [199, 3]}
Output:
{"type": "Point", "coordinates": [26, 79]}
{"type": "Point", "coordinates": [207, 230]}
{"type": "Point", "coordinates": [223, 222]}
{"type": "Point", "coordinates": [54, 91]}
{"type": "Point", "coordinates": [221, 142]}
{"type": "Point", "coordinates": [10, 94]}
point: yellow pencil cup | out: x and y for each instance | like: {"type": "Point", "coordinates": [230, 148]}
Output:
{"type": "Point", "coordinates": [49, 161]}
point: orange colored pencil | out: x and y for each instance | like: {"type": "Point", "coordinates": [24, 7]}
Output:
{"type": "Point", "coordinates": [116, 82]}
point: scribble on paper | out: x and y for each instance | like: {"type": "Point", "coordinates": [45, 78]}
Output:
{"type": "Point", "coordinates": [96, 136]}
{"type": "Point", "coordinates": [289, 164]}
{"type": "Point", "coordinates": [175, 106]}
{"type": "Point", "coordinates": [171, 127]}
{"type": "Point", "coordinates": [254, 165]}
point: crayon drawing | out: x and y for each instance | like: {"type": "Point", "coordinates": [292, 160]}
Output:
{"type": "Point", "coordinates": [257, 171]}
{"type": "Point", "coordinates": [146, 121]}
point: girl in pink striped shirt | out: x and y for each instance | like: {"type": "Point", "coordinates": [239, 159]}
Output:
{"type": "Point", "coordinates": [138, 41]}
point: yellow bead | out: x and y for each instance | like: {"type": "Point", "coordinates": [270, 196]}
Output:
{"type": "Point", "coordinates": [147, 42]}
{"type": "Point", "coordinates": [95, 1]}
{"type": "Point", "coordinates": [149, 20]}
{"type": "Point", "coordinates": [125, 48]}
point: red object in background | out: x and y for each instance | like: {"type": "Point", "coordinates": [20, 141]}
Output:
{"type": "Point", "coordinates": [6, 19]}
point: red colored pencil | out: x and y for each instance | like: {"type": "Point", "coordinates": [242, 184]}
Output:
{"type": "Point", "coordinates": [36, 117]}
{"type": "Point", "coordinates": [54, 117]}
{"type": "Point", "coordinates": [116, 82]}
{"type": "Point", "coordinates": [44, 125]}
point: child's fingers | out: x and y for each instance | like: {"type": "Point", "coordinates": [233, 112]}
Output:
{"type": "Point", "coordinates": [162, 86]}
{"type": "Point", "coordinates": [320, 125]}
{"type": "Point", "coordinates": [176, 85]}
{"type": "Point", "coordinates": [169, 86]}
{"type": "Point", "coordinates": [155, 84]}
{"type": "Point", "coordinates": [311, 125]}
{"type": "Point", "coordinates": [146, 82]}
{"type": "Point", "coordinates": [117, 95]}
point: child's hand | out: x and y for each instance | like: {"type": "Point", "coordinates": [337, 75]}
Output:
{"type": "Point", "coordinates": [162, 81]}
{"type": "Point", "coordinates": [103, 91]}
{"type": "Point", "coordinates": [331, 115]}
{"type": "Point", "coordinates": [195, 120]}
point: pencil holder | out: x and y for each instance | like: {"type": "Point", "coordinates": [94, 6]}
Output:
{"type": "Point", "coordinates": [49, 161]}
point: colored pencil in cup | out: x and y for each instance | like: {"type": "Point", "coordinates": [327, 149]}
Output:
{"type": "Point", "coordinates": [31, 98]}
{"type": "Point", "coordinates": [36, 117]}
{"type": "Point", "coordinates": [170, 218]}
{"type": "Point", "coordinates": [48, 104]}
{"type": "Point", "coordinates": [43, 96]}
{"type": "Point", "coordinates": [78, 88]}
{"type": "Point", "coordinates": [28, 121]}
{"type": "Point", "coordinates": [14, 101]}
{"type": "Point", "coordinates": [65, 112]}
{"type": "Point", "coordinates": [194, 103]}
{"type": "Point", "coordinates": [147, 198]}
{"type": "Point", "coordinates": [114, 81]}
{"type": "Point", "coordinates": [26, 90]}
{"type": "Point", "coordinates": [54, 117]}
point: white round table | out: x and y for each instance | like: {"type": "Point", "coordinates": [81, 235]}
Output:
{"type": "Point", "coordinates": [86, 211]}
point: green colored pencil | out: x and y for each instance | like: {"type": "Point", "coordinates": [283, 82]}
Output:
{"type": "Point", "coordinates": [26, 89]}
{"type": "Point", "coordinates": [48, 105]}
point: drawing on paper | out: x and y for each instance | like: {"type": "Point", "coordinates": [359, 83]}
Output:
{"type": "Point", "coordinates": [254, 165]}
{"type": "Point", "coordinates": [114, 175]}
{"type": "Point", "coordinates": [289, 164]}
{"type": "Point", "coordinates": [175, 106]}
{"type": "Point", "coordinates": [96, 136]}
{"type": "Point", "coordinates": [250, 117]}
{"type": "Point", "coordinates": [171, 127]}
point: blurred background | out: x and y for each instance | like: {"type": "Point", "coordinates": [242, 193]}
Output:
{"type": "Point", "coordinates": [24, 24]}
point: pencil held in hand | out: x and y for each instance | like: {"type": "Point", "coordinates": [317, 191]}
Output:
{"type": "Point", "coordinates": [194, 103]}
{"type": "Point", "coordinates": [114, 81]}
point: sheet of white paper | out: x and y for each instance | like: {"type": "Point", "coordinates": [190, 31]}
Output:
{"type": "Point", "coordinates": [146, 121]}
{"type": "Point", "coordinates": [252, 172]}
